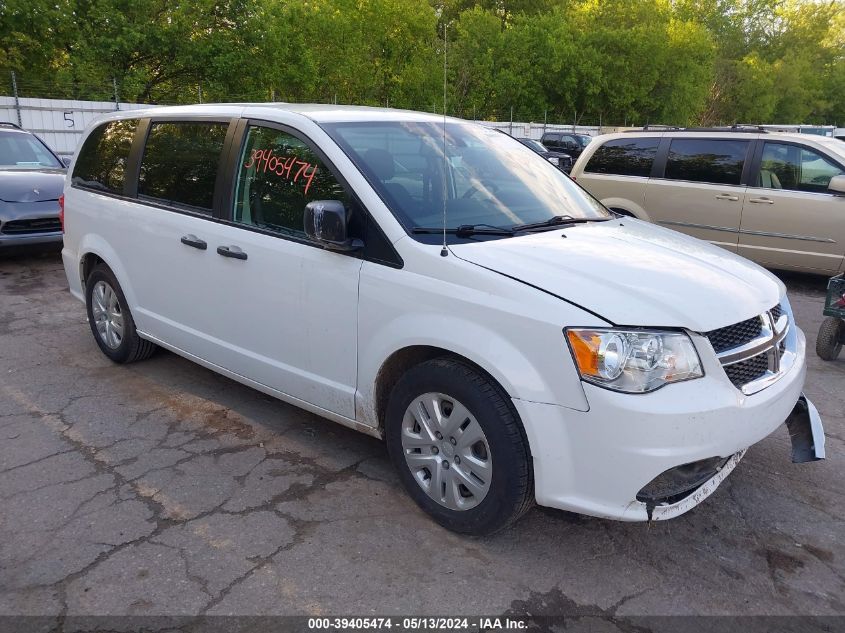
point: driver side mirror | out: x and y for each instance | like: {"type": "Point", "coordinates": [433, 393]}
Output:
{"type": "Point", "coordinates": [837, 185]}
{"type": "Point", "coordinates": [66, 160]}
{"type": "Point", "coordinates": [326, 223]}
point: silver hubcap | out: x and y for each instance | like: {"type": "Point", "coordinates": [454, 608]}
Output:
{"type": "Point", "coordinates": [447, 451]}
{"type": "Point", "coordinates": [107, 315]}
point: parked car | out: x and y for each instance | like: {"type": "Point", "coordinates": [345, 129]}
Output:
{"type": "Point", "coordinates": [31, 181]}
{"type": "Point", "coordinates": [776, 198]}
{"type": "Point", "coordinates": [559, 159]}
{"type": "Point", "coordinates": [568, 142]}
{"type": "Point", "coordinates": [510, 338]}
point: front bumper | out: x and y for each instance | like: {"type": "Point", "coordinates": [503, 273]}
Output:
{"type": "Point", "coordinates": [595, 462]}
{"type": "Point", "coordinates": [12, 212]}
{"type": "Point", "coordinates": [33, 239]}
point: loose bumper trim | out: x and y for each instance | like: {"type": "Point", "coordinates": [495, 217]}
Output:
{"type": "Point", "coordinates": [806, 432]}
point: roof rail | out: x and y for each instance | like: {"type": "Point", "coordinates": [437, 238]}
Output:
{"type": "Point", "coordinates": [10, 124]}
{"type": "Point", "coordinates": [655, 127]}
{"type": "Point", "coordinates": [736, 127]}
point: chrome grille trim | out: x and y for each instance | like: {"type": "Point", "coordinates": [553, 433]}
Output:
{"type": "Point", "coordinates": [770, 336]}
{"type": "Point", "coordinates": [771, 344]}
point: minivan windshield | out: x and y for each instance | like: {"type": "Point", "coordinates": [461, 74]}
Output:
{"type": "Point", "coordinates": [488, 179]}
{"type": "Point", "coordinates": [24, 151]}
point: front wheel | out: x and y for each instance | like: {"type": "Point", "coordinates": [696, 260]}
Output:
{"type": "Point", "coordinates": [459, 447]}
{"type": "Point", "coordinates": [830, 338]}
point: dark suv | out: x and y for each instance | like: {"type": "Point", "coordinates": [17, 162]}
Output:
{"type": "Point", "coordinates": [563, 161]}
{"type": "Point", "coordinates": [31, 181]}
{"type": "Point", "coordinates": [567, 142]}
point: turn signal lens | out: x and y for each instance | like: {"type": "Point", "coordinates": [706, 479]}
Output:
{"type": "Point", "coordinates": [633, 361]}
{"type": "Point", "coordinates": [62, 211]}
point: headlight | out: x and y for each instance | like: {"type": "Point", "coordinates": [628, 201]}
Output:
{"type": "Point", "coordinates": [633, 361]}
{"type": "Point", "coordinates": [554, 160]}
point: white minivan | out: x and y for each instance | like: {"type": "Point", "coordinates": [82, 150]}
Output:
{"type": "Point", "coordinates": [437, 284]}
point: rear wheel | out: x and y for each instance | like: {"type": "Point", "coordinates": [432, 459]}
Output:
{"type": "Point", "coordinates": [110, 319]}
{"type": "Point", "coordinates": [830, 338]}
{"type": "Point", "coordinates": [459, 447]}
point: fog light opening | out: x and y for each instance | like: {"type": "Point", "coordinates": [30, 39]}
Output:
{"type": "Point", "coordinates": [678, 483]}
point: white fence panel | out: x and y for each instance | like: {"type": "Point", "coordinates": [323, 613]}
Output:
{"type": "Point", "coordinates": [59, 122]}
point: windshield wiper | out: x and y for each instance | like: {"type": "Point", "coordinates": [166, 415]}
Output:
{"type": "Point", "coordinates": [557, 220]}
{"type": "Point", "coordinates": [467, 230]}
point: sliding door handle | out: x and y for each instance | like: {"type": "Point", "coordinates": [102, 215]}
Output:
{"type": "Point", "coordinates": [727, 196]}
{"type": "Point", "coordinates": [231, 251]}
{"type": "Point", "coordinates": [193, 241]}
{"type": "Point", "coordinates": [761, 201]}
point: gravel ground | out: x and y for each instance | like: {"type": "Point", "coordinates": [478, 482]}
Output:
{"type": "Point", "coordinates": [161, 488]}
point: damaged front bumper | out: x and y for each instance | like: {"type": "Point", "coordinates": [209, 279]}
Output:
{"type": "Point", "coordinates": [658, 456]}
{"type": "Point", "coordinates": [678, 489]}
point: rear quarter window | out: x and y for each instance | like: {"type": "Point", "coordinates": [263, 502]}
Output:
{"type": "Point", "coordinates": [101, 163]}
{"type": "Point", "coordinates": [717, 161]}
{"type": "Point", "coordinates": [624, 157]}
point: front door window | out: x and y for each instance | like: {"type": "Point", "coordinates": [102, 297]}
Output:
{"type": "Point", "coordinates": [278, 175]}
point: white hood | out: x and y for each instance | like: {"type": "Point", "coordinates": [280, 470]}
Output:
{"type": "Point", "coordinates": [634, 273]}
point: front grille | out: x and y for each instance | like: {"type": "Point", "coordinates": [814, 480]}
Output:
{"type": "Point", "coordinates": [756, 330]}
{"type": "Point", "coordinates": [745, 371]}
{"type": "Point", "coordinates": [735, 335]}
{"type": "Point", "coordinates": [22, 227]}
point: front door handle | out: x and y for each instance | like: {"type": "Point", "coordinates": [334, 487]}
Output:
{"type": "Point", "coordinates": [761, 200]}
{"type": "Point", "coordinates": [727, 196]}
{"type": "Point", "coordinates": [193, 241]}
{"type": "Point", "coordinates": [231, 251]}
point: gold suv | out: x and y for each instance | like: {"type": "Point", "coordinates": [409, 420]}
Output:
{"type": "Point", "coordinates": [776, 198]}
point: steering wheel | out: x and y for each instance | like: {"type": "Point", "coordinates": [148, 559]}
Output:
{"type": "Point", "coordinates": [474, 189]}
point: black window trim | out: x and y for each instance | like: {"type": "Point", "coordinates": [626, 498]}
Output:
{"type": "Point", "coordinates": [224, 189]}
{"type": "Point", "coordinates": [133, 164]}
{"type": "Point", "coordinates": [137, 154]}
{"type": "Point", "coordinates": [228, 191]}
{"type": "Point", "coordinates": [757, 160]}
{"type": "Point", "coordinates": [659, 170]}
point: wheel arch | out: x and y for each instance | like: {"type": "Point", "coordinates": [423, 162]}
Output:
{"type": "Point", "coordinates": [95, 250]}
{"type": "Point", "coordinates": [626, 207]}
{"type": "Point", "coordinates": [400, 361]}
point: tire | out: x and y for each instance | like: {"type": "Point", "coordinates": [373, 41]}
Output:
{"type": "Point", "coordinates": [830, 338]}
{"type": "Point", "coordinates": [116, 334]}
{"type": "Point", "coordinates": [489, 483]}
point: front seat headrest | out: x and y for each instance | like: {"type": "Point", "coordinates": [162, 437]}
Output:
{"type": "Point", "coordinates": [381, 163]}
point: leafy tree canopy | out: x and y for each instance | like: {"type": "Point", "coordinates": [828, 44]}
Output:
{"type": "Point", "coordinates": [615, 61]}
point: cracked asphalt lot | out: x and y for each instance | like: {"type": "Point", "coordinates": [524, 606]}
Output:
{"type": "Point", "coordinates": [161, 488]}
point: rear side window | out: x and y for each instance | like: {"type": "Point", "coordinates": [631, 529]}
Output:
{"type": "Point", "coordinates": [180, 163]}
{"type": "Point", "coordinates": [706, 160]}
{"type": "Point", "coordinates": [624, 157]}
{"type": "Point", "coordinates": [101, 163]}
